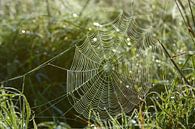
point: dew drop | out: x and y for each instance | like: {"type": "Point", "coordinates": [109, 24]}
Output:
{"type": "Point", "coordinates": [133, 121]}
{"type": "Point", "coordinates": [97, 24]}
{"type": "Point", "coordinates": [157, 61]}
{"type": "Point", "coordinates": [74, 15]}
{"type": "Point", "coordinates": [23, 31]}
{"type": "Point", "coordinates": [117, 30]}
{"type": "Point", "coordinates": [172, 97]}
{"type": "Point", "coordinates": [92, 125]}
{"type": "Point", "coordinates": [114, 50]}
{"type": "Point", "coordinates": [94, 39]}
{"type": "Point", "coordinates": [129, 43]}
{"type": "Point", "coordinates": [191, 52]}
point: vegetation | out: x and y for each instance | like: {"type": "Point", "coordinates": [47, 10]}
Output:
{"type": "Point", "coordinates": [37, 46]}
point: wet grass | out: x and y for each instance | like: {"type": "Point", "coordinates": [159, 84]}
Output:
{"type": "Point", "coordinates": [33, 32]}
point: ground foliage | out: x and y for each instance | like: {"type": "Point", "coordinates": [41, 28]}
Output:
{"type": "Point", "coordinates": [37, 46]}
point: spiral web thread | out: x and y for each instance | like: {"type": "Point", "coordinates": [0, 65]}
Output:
{"type": "Point", "coordinates": [95, 81]}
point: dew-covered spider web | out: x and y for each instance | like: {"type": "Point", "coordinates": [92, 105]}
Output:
{"type": "Point", "coordinates": [104, 77]}
{"type": "Point", "coordinates": [111, 70]}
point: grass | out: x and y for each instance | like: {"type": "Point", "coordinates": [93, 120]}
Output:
{"type": "Point", "coordinates": [15, 109]}
{"type": "Point", "coordinates": [33, 32]}
{"type": "Point", "coordinates": [174, 108]}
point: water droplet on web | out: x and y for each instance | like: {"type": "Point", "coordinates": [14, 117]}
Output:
{"type": "Point", "coordinates": [117, 30]}
{"type": "Point", "coordinates": [157, 61]}
{"type": "Point", "coordinates": [154, 34]}
{"type": "Point", "coordinates": [94, 39]}
{"type": "Point", "coordinates": [129, 43]}
{"type": "Point", "coordinates": [92, 125]}
{"type": "Point", "coordinates": [127, 86]}
{"type": "Point", "coordinates": [97, 24]}
{"type": "Point", "coordinates": [133, 121]}
{"type": "Point", "coordinates": [191, 52]}
{"type": "Point", "coordinates": [114, 50]}
{"type": "Point", "coordinates": [172, 97]}
{"type": "Point", "coordinates": [74, 15]}
{"type": "Point", "coordinates": [23, 31]}
{"type": "Point", "coordinates": [128, 39]}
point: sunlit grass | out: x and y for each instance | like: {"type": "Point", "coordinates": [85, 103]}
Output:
{"type": "Point", "coordinates": [33, 32]}
{"type": "Point", "coordinates": [15, 110]}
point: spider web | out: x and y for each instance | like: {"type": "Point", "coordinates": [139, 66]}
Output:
{"type": "Point", "coordinates": [94, 84]}
{"type": "Point", "coordinates": [95, 81]}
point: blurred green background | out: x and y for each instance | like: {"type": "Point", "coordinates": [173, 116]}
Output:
{"type": "Point", "coordinates": [34, 31]}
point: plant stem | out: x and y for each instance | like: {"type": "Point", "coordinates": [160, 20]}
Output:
{"type": "Point", "coordinates": [186, 18]}
{"type": "Point", "coordinates": [191, 12]}
{"type": "Point", "coordinates": [84, 7]}
{"type": "Point", "coordinates": [174, 63]}
{"type": "Point", "coordinates": [48, 8]}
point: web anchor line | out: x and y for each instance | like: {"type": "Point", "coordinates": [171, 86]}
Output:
{"type": "Point", "coordinates": [38, 67]}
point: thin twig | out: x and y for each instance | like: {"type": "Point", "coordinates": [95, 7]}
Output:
{"type": "Point", "coordinates": [181, 14]}
{"type": "Point", "coordinates": [84, 7]}
{"type": "Point", "coordinates": [176, 66]}
{"type": "Point", "coordinates": [179, 54]}
{"type": "Point", "coordinates": [191, 12]}
{"type": "Point", "coordinates": [186, 18]}
{"type": "Point", "coordinates": [185, 13]}
{"type": "Point", "coordinates": [48, 8]}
